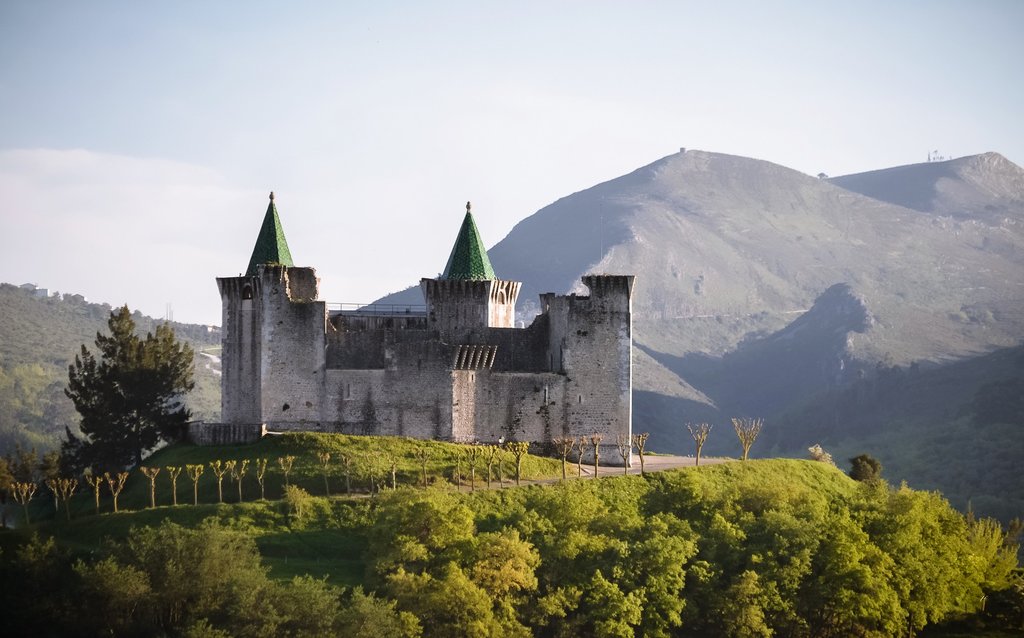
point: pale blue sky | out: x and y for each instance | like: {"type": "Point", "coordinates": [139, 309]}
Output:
{"type": "Point", "coordinates": [138, 140]}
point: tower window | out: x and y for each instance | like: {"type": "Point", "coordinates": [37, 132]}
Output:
{"type": "Point", "coordinates": [247, 291]}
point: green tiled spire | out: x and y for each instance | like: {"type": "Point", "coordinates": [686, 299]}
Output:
{"type": "Point", "coordinates": [271, 247]}
{"type": "Point", "coordinates": [469, 258]}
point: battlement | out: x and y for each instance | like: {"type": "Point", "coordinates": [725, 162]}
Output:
{"type": "Point", "coordinates": [454, 305]}
{"type": "Point", "coordinates": [605, 285]}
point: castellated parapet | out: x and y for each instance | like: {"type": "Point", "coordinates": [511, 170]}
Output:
{"type": "Point", "coordinates": [458, 370]}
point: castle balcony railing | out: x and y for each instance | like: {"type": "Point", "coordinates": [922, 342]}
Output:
{"type": "Point", "coordinates": [377, 310]}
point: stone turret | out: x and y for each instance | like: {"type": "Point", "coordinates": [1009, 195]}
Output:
{"type": "Point", "coordinates": [468, 295]}
{"type": "Point", "coordinates": [272, 331]}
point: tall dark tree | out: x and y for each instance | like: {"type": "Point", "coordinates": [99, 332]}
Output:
{"type": "Point", "coordinates": [130, 397]}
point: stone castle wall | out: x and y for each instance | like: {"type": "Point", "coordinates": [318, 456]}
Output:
{"type": "Point", "coordinates": [459, 373]}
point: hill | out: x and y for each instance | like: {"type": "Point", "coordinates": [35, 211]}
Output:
{"type": "Point", "coordinates": [784, 547]}
{"type": "Point", "coordinates": [39, 338]}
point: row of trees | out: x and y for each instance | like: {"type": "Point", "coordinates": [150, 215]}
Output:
{"type": "Point", "coordinates": [376, 470]}
{"type": "Point", "coordinates": [747, 430]}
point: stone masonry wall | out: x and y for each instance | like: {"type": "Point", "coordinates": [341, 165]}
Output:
{"type": "Point", "coordinates": [591, 337]}
{"type": "Point", "coordinates": [241, 316]}
{"type": "Point", "coordinates": [293, 357]}
{"type": "Point", "coordinates": [200, 433]}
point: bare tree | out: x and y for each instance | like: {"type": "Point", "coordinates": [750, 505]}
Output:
{"type": "Point", "coordinates": [818, 453]}
{"type": "Point", "coordinates": [220, 468]}
{"type": "Point", "coordinates": [581, 445]}
{"type": "Point", "coordinates": [116, 484]}
{"type": "Point", "coordinates": [286, 463]}
{"type": "Point", "coordinates": [423, 454]}
{"type": "Point", "coordinates": [23, 493]}
{"type": "Point", "coordinates": [625, 447]}
{"type": "Point", "coordinates": [564, 446]}
{"type": "Point", "coordinates": [747, 430]}
{"type": "Point", "coordinates": [325, 459]}
{"type": "Point", "coordinates": [238, 473]}
{"type": "Point", "coordinates": [595, 441]}
{"type": "Point", "coordinates": [700, 434]}
{"type": "Point", "coordinates": [392, 465]}
{"type": "Point", "coordinates": [194, 472]}
{"type": "Point", "coordinates": [67, 487]}
{"type": "Point", "coordinates": [518, 449]}
{"type": "Point", "coordinates": [472, 457]}
{"type": "Point", "coordinates": [347, 466]}
{"type": "Point", "coordinates": [491, 456]}
{"type": "Point", "coordinates": [151, 473]}
{"type": "Point", "coordinates": [499, 456]}
{"type": "Point", "coordinates": [640, 440]}
{"type": "Point", "coordinates": [261, 471]}
{"type": "Point", "coordinates": [51, 484]}
{"type": "Point", "coordinates": [174, 471]}
{"type": "Point", "coordinates": [457, 471]}
{"type": "Point", "coordinates": [95, 481]}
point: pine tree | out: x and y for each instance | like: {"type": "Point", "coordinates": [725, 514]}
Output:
{"type": "Point", "coordinates": [130, 396]}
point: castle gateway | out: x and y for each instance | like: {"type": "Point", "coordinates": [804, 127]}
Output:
{"type": "Point", "coordinates": [455, 369]}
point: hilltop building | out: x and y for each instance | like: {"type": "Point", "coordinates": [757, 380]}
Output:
{"type": "Point", "coordinates": [453, 369]}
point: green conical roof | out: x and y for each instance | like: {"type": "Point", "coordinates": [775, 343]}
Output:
{"type": "Point", "coordinates": [271, 247]}
{"type": "Point", "coordinates": [469, 257]}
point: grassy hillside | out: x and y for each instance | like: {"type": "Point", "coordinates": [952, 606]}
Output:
{"type": "Point", "coordinates": [39, 338]}
{"type": "Point", "coordinates": [775, 546]}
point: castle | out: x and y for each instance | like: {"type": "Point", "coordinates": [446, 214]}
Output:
{"type": "Point", "coordinates": [454, 369]}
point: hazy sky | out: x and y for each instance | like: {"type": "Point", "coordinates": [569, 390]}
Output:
{"type": "Point", "coordinates": [139, 140]}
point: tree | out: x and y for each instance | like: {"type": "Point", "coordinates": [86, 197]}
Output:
{"type": "Point", "coordinates": [564, 446]}
{"type": "Point", "coordinates": [130, 398]}
{"type": "Point", "coordinates": [23, 493]}
{"type": "Point", "coordinates": [95, 481]}
{"type": "Point", "coordinates": [238, 471]}
{"type": "Point", "coordinates": [423, 455]}
{"type": "Point", "coordinates": [194, 472]}
{"type": "Point", "coordinates": [819, 454]}
{"type": "Point", "coordinates": [348, 463]}
{"type": "Point", "coordinates": [700, 436]}
{"type": "Point", "coordinates": [49, 472]}
{"type": "Point", "coordinates": [6, 487]}
{"type": "Point", "coordinates": [581, 447]}
{"type": "Point", "coordinates": [472, 456]}
{"type": "Point", "coordinates": [261, 471]}
{"type": "Point", "coordinates": [865, 468]}
{"type": "Point", "coordinates": [67, 487]}
{"type": "Point", "coordinates": [518, 450]}
{"type": "Point", "coordinates": [325, 459]}
{"type": "Point", "coordinates": [624, 444]}
{"type": "Point", "coordinates": [493, 455]}
{"type": "Point", "coordinates": [747, 430]}
{"type": "Point", "coordinates": [640, 440]}
{"type": "Point", "coordinates": [116, 484]}
{"type": "Point", "coordinates": [392, 463]}
{"type": "Point", "coordinates": [286, 463]}
{"type": "Point", "coordinates": [220, 468]}
{"type": "Point", "coordinates": [151, 474]}
{"type": "Point", "coordinates": [174, 471]}
{"type": "Point", "coordinates": [595, 442]}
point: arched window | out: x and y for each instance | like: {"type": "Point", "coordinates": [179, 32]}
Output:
{"type": "Point", "coordinates": [247, 291]}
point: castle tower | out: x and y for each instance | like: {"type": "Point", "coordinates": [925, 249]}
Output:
{"type": "Point", "coordinates": [468, 295]}
{"type": "Point", "coordinates": [272, 335]}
